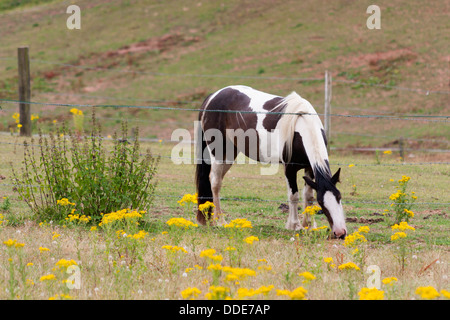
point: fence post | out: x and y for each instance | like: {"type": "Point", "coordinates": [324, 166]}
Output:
{"type": "Point", "coordinates": [327, 111]}
{"type": "Point", "coordinates": [24, 90]}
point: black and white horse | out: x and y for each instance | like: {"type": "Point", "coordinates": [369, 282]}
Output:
{"type": "Point", "coordinates": [245, 120]}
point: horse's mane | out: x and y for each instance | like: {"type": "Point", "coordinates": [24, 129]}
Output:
{"type": "Point", "coordinates": [300, 114]}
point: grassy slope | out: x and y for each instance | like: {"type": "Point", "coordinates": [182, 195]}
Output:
{"type": "Point", "coordinates": [289, 39]}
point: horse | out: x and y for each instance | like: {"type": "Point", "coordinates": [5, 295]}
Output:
{"type": "Point", "coordinates": [241, 113]}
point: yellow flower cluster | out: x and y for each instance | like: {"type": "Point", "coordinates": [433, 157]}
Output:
{"type": "Point", "coordinates": [390, 281]}
{"type": "Point", "coordinates": [398, 235]}
{"type": "Point", "coordinates": [319, 228]}
{"type": "Point", "coordinates": [16, 117]}
{"type": "Point", "coordinates": [218, 293]}
{"type": "Point", "coordinates": [181, 222]}
{"type": "Point", "coordinates": [76, 111]}
{"type": "Point", "coordinates": [404, 180]}
{"type": "Point", "coordinates": [48, 277]}
{"type": "Point", "coordinates": [354, 239]}
{"type": "Point", "coordinates": [397, 195]}
{"type": "Point", "coordinates": [308, 276]}
{"type": "Point", "coordinates": [311, 210]}
{"type": "Point", "coordinates": [402, 226]}
{"type": "Point", "coordinates": [64, 202]}
{"type": "Point", "coordinates": [13, 243]}
{"type": "Point", "coordinates": [427, 292]}
{"type": "Point", "coordinates": [62, 296]}
{"type": "Point", "coordinates": [174, 248]}
{"type": "Point", "coordinates": [210, 253]}
{"type": "Point", "coordinates": [140, 235]}
{"type": "Point", "coordinates": [120, 215]}
{"type": "Point", "coordinates": [188, 198]}
{"type": "Point", "coordinates": [296, 294]}
{"type": "Point", "coordinates": [239, 224]}
{"type": "Point", "coordinates": [206, 206]}
{"type": "Point", "coordinates": [348, 266]}
{"type": "Point", "coordinates": [235, 274]}
{"type": "Point", "coordinates": [76, 217]}
{"type": "Point", "coordinates": [329, 262]}
{"type": "Point", "coordinates": [245, 292]}
{"type": "Point", "coordinates": [190, 293]}
{"type": "Point", "coordinates": [371, 294]}
{"type": "Point", "coordinates": [409, 213]}
{"type": "Point", "coordinates": [251, 239]}
{"type": "Point", "coordinates": [63, 263]}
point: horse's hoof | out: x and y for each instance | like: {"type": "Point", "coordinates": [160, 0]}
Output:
{"type": "Point", "coordinates": [294, 226]}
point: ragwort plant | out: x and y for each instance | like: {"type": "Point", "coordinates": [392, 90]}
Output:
{"type": "Point", "coordinates": [81, 170]}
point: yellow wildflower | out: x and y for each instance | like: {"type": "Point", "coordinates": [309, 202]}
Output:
{"type": "Point", "coordinates": [427, 292]}
{"type": "Point", "coordinates": [239, 224]}
{"type": "Point", "coordinates": [308, 276]}
{"type": "Point", "coordinates": [297, 294]}
{"type": "Point", "coordinates": [188, 198]}
{"type": "Point", "coordinates": [354, 239]}
{"type": "Point", "coordinates": [390, 281]}
{"type": "Point", "coordinates": [48, 277]}
{"type": "Point", "coordinates": [63, 263]}
{"type": "Point", "coordinates": [251, 239]}
{"type": "Point", "coordinates": [398, 235]}
{"type": "Point", "coordinates": [174, 248]}
{"type": "Point", "coordinates": [190, 293]}
{"type": "Point", "coordinates": [311, 210]}
{"type": "Point", "coordinates": [371, 294]}
{"type": "Point", "coordinates": [348, 266]}
{"type": "Point", "coordinates": [181, 222]}
{"type": "Point", "coordinates": [43, 249]}
{"type": "Point", "coordinates": [445, 293]}
{"type": "Point", "coordinates": [328, 260]}
{"type": "Point", "coordinates": [217, 293]}
{"type": "Point", "coordinates": [402, 226]}
{"type": "Point", "coordinates": [206, 206]}
{"type": "Point", "coordinates": [365, 229]}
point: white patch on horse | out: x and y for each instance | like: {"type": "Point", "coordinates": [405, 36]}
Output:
{"type": "Point", "coordinates": [269, 151]}
{"type": "Point", "coordinates": [336, 211]}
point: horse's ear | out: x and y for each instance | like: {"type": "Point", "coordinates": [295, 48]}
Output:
{"type": "Point", "coordinates": [310, 183]}
{"type": "Point", "coordinates": [335, 178]}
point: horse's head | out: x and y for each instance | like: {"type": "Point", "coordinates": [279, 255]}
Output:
{"type": "Point", "coordinates": [329, 199]}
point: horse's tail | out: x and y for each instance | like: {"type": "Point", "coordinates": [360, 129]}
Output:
{"type": "Point", "coordinates": [202, 171]}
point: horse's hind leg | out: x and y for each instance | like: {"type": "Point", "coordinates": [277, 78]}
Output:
{"type": "Point", "coordinates": [218, 171]}
{"type": "Point", "coordinates": [308, 197]}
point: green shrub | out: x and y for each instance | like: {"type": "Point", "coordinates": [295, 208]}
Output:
{"type": "Point", "coordinates": [81, 169]}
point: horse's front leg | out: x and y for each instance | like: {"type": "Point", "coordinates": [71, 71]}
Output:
{"type": "Point", "coordinates": [308, 198]}
{"type": "Point", "coordinates": [293, 222]}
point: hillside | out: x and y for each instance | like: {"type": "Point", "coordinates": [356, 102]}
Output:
{"type": "Point", "coordinates": [173, 53]}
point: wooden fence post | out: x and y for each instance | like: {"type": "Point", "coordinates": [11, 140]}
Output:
{"type": "Point", "coordinates": [328, 108]}
{"type": "Point", "coordinates": [24, 90]}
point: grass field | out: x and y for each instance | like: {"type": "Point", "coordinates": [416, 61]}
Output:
{"type": "Point", "coordinates": [174, 53]}
{"type": "Point", "coordinates": [137, 271]}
